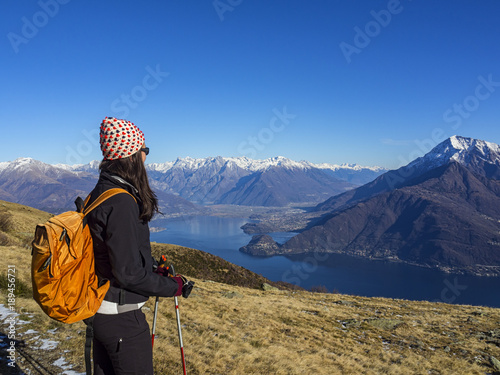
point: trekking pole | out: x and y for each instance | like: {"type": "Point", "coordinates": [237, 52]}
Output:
{"type": "Point", "coordinates": [161, 264]}
{"type": "Point", "coordinates": [154, 321]}
{"type": "Point", "coordinates": [179, 326]}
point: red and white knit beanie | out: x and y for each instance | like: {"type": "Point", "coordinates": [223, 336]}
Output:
{"type": "Point", "coordinates": [119, 138]}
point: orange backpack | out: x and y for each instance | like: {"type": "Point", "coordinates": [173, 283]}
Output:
{"type": "Point", "coordinates": [62, 266]}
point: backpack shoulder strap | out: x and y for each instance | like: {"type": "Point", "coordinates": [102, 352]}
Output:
{"type": "Point", "coordinates": [104, 196]}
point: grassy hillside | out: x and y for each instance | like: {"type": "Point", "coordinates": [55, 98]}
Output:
{"type": "Point", "coordinates": [18, 222]}
{"type": "Point", "coordinates": [205, 266]}
{"type": "Point", "coordinates": [235, 329]}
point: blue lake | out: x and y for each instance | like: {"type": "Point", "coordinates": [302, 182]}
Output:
{"type": "Point", "coordinates": [223, 237]}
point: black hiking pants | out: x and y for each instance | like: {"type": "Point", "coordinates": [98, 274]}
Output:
{"type": "Point", "coordinates": [122, 344]}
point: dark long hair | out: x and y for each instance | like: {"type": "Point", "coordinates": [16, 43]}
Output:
{"type": "Point", "coordinates": [132, 170]}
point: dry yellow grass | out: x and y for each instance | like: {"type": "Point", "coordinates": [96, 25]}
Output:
{"type": "Point", "coordinates": [23, 221]}
{"type": "Point", "coordinates": [236, 330]}
{"type": "Point", "coordinates": [300, 332]}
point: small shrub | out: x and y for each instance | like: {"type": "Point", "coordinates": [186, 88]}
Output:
{"type": "Point", "coordinates": [287, 320]}
{"type": "Point", "coordinates": [22, 288]}
{"type": "Point", "coordinates": [319, 289]}
{"type": "Point", "coordinates": [256, 343]}
{"type": "Point", "coordinates": [5, 221]}
{"type": "Point", "coordinates": [5, 240]}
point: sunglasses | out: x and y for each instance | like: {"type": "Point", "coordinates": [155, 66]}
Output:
{"type": "Point", "coordinates": [145, 150]}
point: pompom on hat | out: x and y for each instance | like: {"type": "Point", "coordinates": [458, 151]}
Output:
{"type": "Point", "coordinates": [119, 138]}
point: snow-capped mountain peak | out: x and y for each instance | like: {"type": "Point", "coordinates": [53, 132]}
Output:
{"type": "Point", "coordinates": [461, 146]}
{"type": "Point", "coordinates": [92, 166]}
{"type": "Point", "coordinates": [252, 165]}
{"type": "Point", "coordinates": [463, 150]}
{"type": "Point", "coordinates": [24, 164]}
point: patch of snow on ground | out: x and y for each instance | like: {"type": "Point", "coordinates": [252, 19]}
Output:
{"type": "Point", "coordinates": [5, 313]}
{"type": "Point", "coordinates": [48, 344]}
{"type": "Point", "coordinates": [61, 363]}
{"type": "Point", "coordinates": [30, 332]}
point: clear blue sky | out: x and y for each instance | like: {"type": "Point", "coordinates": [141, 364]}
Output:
{"type": "Point", "coordinates": [367, 82]}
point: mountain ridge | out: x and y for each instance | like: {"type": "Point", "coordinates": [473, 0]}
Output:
{"type": "Point", "coordinates": [187, 182]}
{"type": "Point", "coordinates": [255, 164]}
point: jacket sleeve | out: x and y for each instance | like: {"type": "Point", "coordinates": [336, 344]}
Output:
{"type": "Point", "coordinates": [129, 267]}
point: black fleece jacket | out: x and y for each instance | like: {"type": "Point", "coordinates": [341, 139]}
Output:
{"type": "Point", "coordinates": [122, 247]}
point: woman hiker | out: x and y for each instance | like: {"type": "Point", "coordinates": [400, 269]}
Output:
{"type": "Point", "coordinates": [120, 232]}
